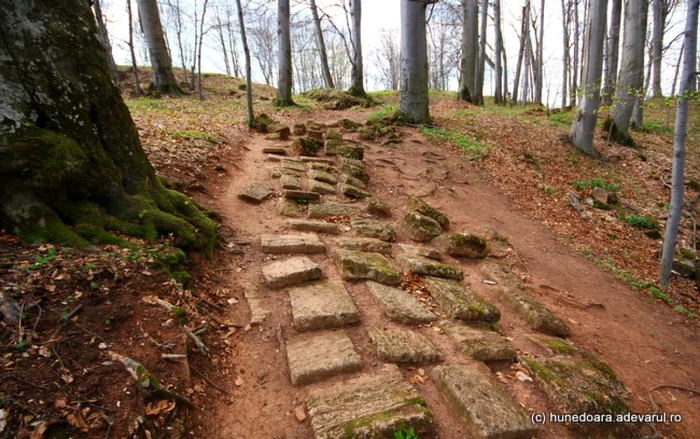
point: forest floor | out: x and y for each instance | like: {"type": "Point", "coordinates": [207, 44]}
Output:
{"type": "Point", "coordinates": [508, 169]}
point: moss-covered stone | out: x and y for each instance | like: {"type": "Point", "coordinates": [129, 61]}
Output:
{"type": "Point", "coordinates": [348, 124]}
{"type": "Point", "coordinates": [462, 244]}
{"type": "Point", "coordinates": [263, 122]}
{"type": "Point", "coordinates": [299, 129]}
{"type": "Point", "coordinates": [428, 267]}
{"type": "Point", "coordinates": [373, 229]}
{"type": "Point", "coordinates": [415, 204]}
{"type": "Point", "coordinates": [356, 265]}
{"type": "Point", "coordinates": [354, 171]}
{"type": "Point", "coordinates": [356, 152]}
{"type": "Point", "coordinates": [420, 228]}
{"type": "Point", "coordinates": [459, 302]}
{"type": "Point", "coordinates": [306, 146]}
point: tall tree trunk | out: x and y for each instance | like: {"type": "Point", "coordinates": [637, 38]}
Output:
{"type": "Point", "coordinates": [573, 88]}
{"type": "Point", "coordinates": [505, 73]}
{"type": "Point", "coordinates": [631, 80]}
{"type": "Point", "coordinates": [583, 127]}
{"type": "Point", "coordinates": [71, 154]}
{"type": "Point", "coordinates": [163, 78]}
{"type": "Point", "coordinates": [657, 41]}
{"type": "Point", "coordinates": [498, 92]}
{"type": "Point", "coordinates": [222, 41]}
{"type": "Point", "coordinates": [540, 59]}
{"type": "Point", "coordinates": [246, 53]}
{"type": "Point", "coordinates": [612, 54]}
{"type": "Point", "coordinates": [284, 83]}
{"type": "Point", "coordinates": [199, 51]}
{"type": "Point", "coordinates": [481, 63]}
{"type": "Point", "coordinates": [104, 37]}
{"type": "Point", "coordinates": [233, 50]}
{"type": "Point", "coordinates": [674, 216]}
{"type": "Point", "coordinates": [327, 77]}
{"type": "Point", "coordinates": [357, 86]}
{"type": "Point", "coordinates": [565, 57]}
{"type": "Point", "coordinates": [678, 70]}
{"type": "Point", "coordinates": [470, 33]}
{"type": "Point", "coordinates": [134, 67]}
{"type": "Point", "coordinates": [521, 54]}
{"type": "Point", "coordinates": [178, 33]}
{"type": "Point", "coordinates": [527, 56]}
{"type": "Point", "coordinates": [413, 92]}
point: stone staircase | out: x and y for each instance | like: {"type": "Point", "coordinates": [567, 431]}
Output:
{"type": "Point", "coordinates": [331, 213]}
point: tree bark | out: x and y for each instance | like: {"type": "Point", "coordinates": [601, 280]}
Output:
{"type": "Point", "coordinates": [657, 41]}
{"type": "Point", "coordinates": [526, 57]}
{"type": "Point", "coordinates": [246, 54]}
{"type": "Point", "coordinates": [540, 59]}
{"type": "Point", "coordinates": [565, 57]}
{"type": "Point", "coordinates": [470, 15]}
{"type": "Point", "coordinates": [327, 77]}
{"type": "Point", "coordinates": [481, 63]}
{"type": "Point", "coordinates": [222, 41]}
{"type": "Point", "coordinates": [199, 51]}
{"type": "Point", "coordinates": [583, 127]}
{"type": "Point", "coordinates": [521, 53]}
{"type": "Point", "coordinates": [357, 86]}
{"type": "Point", "coordinates": [573, 88]}
{"type": "Point", "coordinates": [413, 92]}
{"type": "Point", "coordinates": [630, 84]}
{"type": "Point", "coordinates": [71, 154]}
{"type": "Point", "coordinates": [284, 82]}
{"type": "Point", "coordinates": [674, 216]}
{"type": "Point", "coordinates": [612, 53]}
{"type": "Point", "coordinates": [499, 97]}
{"type": "Point", "coordinates": [163, 77]}
{"type": "Point", "coordinates": [104, 36]}
{"type": "Point", "coordinates": [134, 67]}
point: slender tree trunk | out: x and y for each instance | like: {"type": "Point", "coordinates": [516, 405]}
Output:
{"type": "Point", "coordinates": [72, 169]}
{"type": "Point", "coordinates": [222, 41]}
{"type": "Point", "coordinates": [674, 216]}
{"type": "Point", "coordinates": [481, 63]}
{"type": "Point", "coordinates": [194, 48]}
{"type": "Point", "coordinates": [583, 127]}
{"type": "Point", "coordinates": [527, 57]}
{"type": "Point", "coordinates": [163, 78]}
{"type": "Point", "coordinates": [357, 86]}
{"type": "Point", "coordinates": [284, 83]}
{"type": "Point", "coordinates": [521, 54]}
{"type": "Point", "coordinates": [631, 80]}
{"type": "Point", "coordinates": [498, 93]}
{"type": "Point", "coordinates": [104, 37]}
{"type": "Point", "coordinates": [413, 92]}
{"type": "Point", "coordinates": [199, 52]}
{"type": "Point", "coordinates": [470, 16]}
{"type": "Point", "coordinates": [505, 73]}
{"type": "Point", "coordinates": [612, 54]}
{"type": "Point", "coordinates": [678, 69]}
{"type": "Point", "coordinates": [657, 41]}
{"type": "Point", "coordinates": [327, 77]}
{"type": "Point", "coordinates": [134, 67]}
{"type": "Point", "coordinates": [178, 33]}
{"type": "Point", "coordinates": [246, 53]}
{"type": "Point", "coordinates": [540, 58]}
{"type": "Point", "coordinates": [573, 89]}
{"type": "Point", "coordinates": [565, 57]}
{"type": "Point", "coordinates": [233, 50]}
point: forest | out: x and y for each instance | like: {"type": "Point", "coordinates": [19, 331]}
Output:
{"type": "Point", "coordinates": [328, 218]}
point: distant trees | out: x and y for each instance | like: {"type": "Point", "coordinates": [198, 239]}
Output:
{"type": "Point", "coordinates": [387, 60]}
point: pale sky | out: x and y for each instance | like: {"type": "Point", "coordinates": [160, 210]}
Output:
{"type": "Point", "coordinates": [380, 15]}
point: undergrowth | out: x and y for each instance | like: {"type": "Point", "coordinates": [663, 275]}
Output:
{"type": "Point", "coordinates": [474, 149]}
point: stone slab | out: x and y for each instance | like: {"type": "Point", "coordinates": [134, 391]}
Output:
{"type": "Point", "coordinates": [352, 191]}
{"type": "Point", "coordinates": [307, 243]}
{"type": "Point", "coordinates": [378, 207]}
{"type": "Point", "coordinates": [373, 229]}
{"type": "Point", "coordinates": [424, 252]}
{"type": "Point", "coordinates": [288, 208]}
{"type": "Point", "coordinates": [352, 181]}
{"type": "Point", "coordinates": [420, 228]}
{"type": "Point", "coordinates": [258, 314]}
{"type": "Point", "coordinates": [416, 204]}
{"type": "Point", "coordinates": [309, 159]}
{"type": "Point", "coordinates": [314, 226]}
{"type": "Point", "coordinates": [355, 265]}
{"type": "Point", "coordinates": [459, 302]}
{"type": "Point", "coordinates": [399, 305]}
{"type": "Point", "coordinates": [428, 267]}
{"type": "Point", "coordinates": [293, 165]}
{"type": "Point", "coordinates": [273, 158]}
{"type": "Point", "coordinates": [331, 146]}
{"type": "Point", "coordinates": [479, 343]}
{"type": "Point", "coordinates": [512, 292]}
{"type": "Point", "coordinates": [324, 210]}
{"type": "Point", "coordinates": [488, 411]}
{"type": "Point", "coordinates": [320, 166]}
{"type": "Point", "coordinates": [321, 187]}
{"type": "Point", "coordinates": [301, 195]}
{"type": "Point", "coordinates": [351, 162]}
{"type": "Point", "coordinates": [463, 244]}
{"type": "Point", "coordinates": [321, 356]}
{"type": "Point", "coordinates": [322, 305]}
{"type": "Point", "coordinates": [289, 181]}
{"type": "Point", "coordinates": [323, 176]}
{"type": "Point", "coordinates": [275, 150]}
{"type": "Point", "coordinates": [403, 346]}
{"type": "Point", "coordinates": [255, 192]}
{"type": "Point", "coordinates": [291, 271]}
{"type": "Point", "coordinates": [370, 245]}
{"type": "Point", "coordinates": [370, 406]}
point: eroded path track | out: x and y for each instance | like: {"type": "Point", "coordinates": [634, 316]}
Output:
{"type": "Point", "coordinates": [390, 288]}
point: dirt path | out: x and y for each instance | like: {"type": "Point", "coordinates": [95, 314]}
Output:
{"type": "Point", "coordinates": [646, 345]}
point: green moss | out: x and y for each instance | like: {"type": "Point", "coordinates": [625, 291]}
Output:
{"type": "Point", "coordinates": [559, 346]}
{"type": "Point", "coordinates": [420, 206]}
{"type": "Point", "coordinates": [541, 370]}
{"type": "Point", "coordinates": [334, 135]}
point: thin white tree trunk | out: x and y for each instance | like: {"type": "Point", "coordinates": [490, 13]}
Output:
{"type": "Point", "coordinates": [521, 53]}
{"type": "Point", "coordinates": [327, 77]}
{"type": "Point", "coordinates": [612, 53]}
{"type": "Point", "coordinates": [630, 83]}
{"type": "Point", "coordinates": [481, 64]}
{"type": "Point", "coordinates": [470, 33]}
{"type": "Point", "coordinates": [565, 57]}
{"type": "Point", "coordinates": [583, 127]}
{"type": "Point", "coordinates": [657, 41]}
{"type": "Point", "coordinates": [540, 58]}
{"type": "Point", "coordinates": [499, 98]}
{"type": "Point", "coordinates": [284, 82]}
{"type": "Point", "coordinates": [199, 52]}
{"type": "Point", "coordinates": [413, 91]}
{"type": "Point", "coordinates": [674, 216]}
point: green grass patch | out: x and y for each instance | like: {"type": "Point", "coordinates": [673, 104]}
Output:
{"type": "Point", "coordinates": [387, 110]}
{"type": "Point", "coordinates": [196, 135]}
{"type": "Point", "coordinates": [643, 222]}
{"type": "Point", "coordinates": [474, 149]}
{"type": "Point", "coordinates": [593, 183]}
{"type": "Point", "coordinates": [654, 126]}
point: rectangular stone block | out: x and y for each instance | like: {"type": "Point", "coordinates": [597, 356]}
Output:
{"type": "Point", "coordinates": [479, 343]}
{"type": "Point", "coordinates": [403, 346]}
{"type": "Point", "coordinates": [322, 306]}
{"type": "Point", "coordinates": [373, 229]}
{"type": "Point", "coordinates": [255, 192]}
{"type": "Point", "coordinates": [321, 356]}
{"type": "Point", "coordinates": [292, 182]}
{"type": "Point", "coordinates": [301, 195]}
{"type": "Point", "coordinates": [370, 406]}
{"type": "Point", "coordinates": [291, 272]}
{"type": "Point", "coordinates": [307, 243]}
{"type": "Point", "coordinates": [321, 187]}
{"type": "Point", "coordinates": [399, 305]}
{"type": "Point", "coordinates": [314, 226]}
{"type": "Point", "coordinates": [324, 210]}
{"type": "Point", "coordinates": [370, 245]}
{"type": "Point", "coordinates": [459, 302]}
{"type": "Point", "coordinates": [354, 265]}
{"type": "Point", "coordinates": [487, 409]}
{"type": "Point", "coordinates": [427, 267]}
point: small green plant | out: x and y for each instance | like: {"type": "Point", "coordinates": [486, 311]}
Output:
{"type": "Point", "coordinates": [474, 149]}
{"type": "Point", "coordinates": [19, 346]}
{"type": "Point", "coordinates": [643, 222]}
{"type": "Point", "coordinates": [593, 183]}
{"type": "Point", "coordinates": [494, 325]}
{"type": "Point", "coordinates": [89, 266]}
{"type": "Point", "coordinates": [405, 433]}
{"type": "Point", "coordinates": [654, 126]}
{"type": "Point", "coordinates": [386, 110]}
{"type": "Point", "coordinates": [43, 260]}
{"type": "Point", "coordinates": [178, 312]}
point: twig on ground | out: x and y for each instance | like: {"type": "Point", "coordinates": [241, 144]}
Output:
{"type": "Point", "coordinates": [210, 382]}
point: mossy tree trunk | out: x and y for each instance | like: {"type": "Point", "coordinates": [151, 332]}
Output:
{"type": "Point", "coordinates": [71, 164]}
